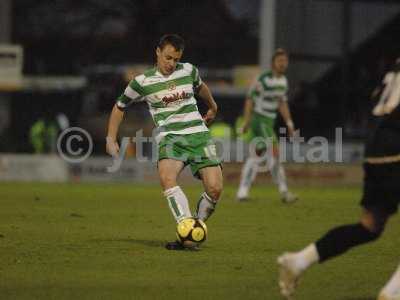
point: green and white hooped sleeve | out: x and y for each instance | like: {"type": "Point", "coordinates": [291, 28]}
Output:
{"type": "Point", "coordinates": [133, 93]}
{"type": "Point", "coordinates": [196, 78]}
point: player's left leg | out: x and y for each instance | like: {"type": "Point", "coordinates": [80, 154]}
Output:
{"type": "Point", "coordinates": [335, 242]}
{"type": "Point", "coordinates": [206, 166]}
{"type": "Point", "coordinates": [213, 183]}
{"type": "Point", "coordinates": [391, 291]}
{"type": "Point", "coordinates": [278, 175]}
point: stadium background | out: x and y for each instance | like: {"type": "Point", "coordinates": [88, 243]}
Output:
{"type": "Point", "coordinates": [75, 57]}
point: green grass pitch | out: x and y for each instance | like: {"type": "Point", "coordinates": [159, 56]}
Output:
{"type": "Point", "coordinates": [105, 241]}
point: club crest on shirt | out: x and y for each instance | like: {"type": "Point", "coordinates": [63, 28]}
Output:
{"type": "Point", "coordinates": [171, 85]}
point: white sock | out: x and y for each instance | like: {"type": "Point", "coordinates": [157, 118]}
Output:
{"type": "Point", "coordinates": [306, 257]}
{"type": "Point", "coordinates": [392, 288]}
{"type": "Point", "coordinates": [205, 207]}
{"type": "Point", "coordinates": [178, 203]}
{"type": "Point", "coordinates": [278, 174]}
{"type": "Point", "coordinates": [249, 173]}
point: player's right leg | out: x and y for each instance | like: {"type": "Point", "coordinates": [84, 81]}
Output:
{"type": "Point", "coordinates": [248, 175]}
{"type": "Point", "coordinates": [169, 170]}
{"type": "Point", "coordinates": [335, 242]}
{"type": "Point", "coordinates": [250, 167]}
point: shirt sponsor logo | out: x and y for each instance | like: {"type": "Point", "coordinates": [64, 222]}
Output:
{"type": "Point", "coordinates": [176, 97]}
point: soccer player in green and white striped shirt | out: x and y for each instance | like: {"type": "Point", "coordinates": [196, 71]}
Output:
{"type": "Point", "coordinates": [267, 96]}
{"type": "Point", "coordinates": [182, 135]}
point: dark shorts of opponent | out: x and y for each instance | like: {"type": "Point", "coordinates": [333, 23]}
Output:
{"type": "Point", "coordinates": [382, 170]}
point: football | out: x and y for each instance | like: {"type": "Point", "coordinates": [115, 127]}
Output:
{"type": "Point", "coordinates": [191, 232]}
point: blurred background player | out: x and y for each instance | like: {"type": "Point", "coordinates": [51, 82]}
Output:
{"type": "Point", "coordinates": [267, 96]}
{"type": "Point", "coordinates": [182, 135]}
{"type": "Point", "coordinates": [381, 196]}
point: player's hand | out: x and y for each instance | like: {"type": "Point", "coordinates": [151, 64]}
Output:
{"type": "Point", "coordinates": [112, 147]}
{"type": "Point", "coordinates": [209, 116]}
{"type": "Point", "coordinates": [244, 128]}
{"type": "Point", "coordinates": [291, 129]}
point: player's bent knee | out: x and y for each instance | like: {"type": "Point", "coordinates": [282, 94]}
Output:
{"type": "Point", "coordinates": [214, 191]}
{"type": "Point", "coordinates": [374, 222]}
{"type": "Point", "coordinates": [167, 181]}
{"type": "Point", "coordinates": [374, 230]}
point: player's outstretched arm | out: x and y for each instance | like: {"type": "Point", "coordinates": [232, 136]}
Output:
{"type": "Point", "coordinates": [205, 93]}
{"type": "Point", "coordinates": [285, 112]}
{"type": "Point", "coordinates": [115, 120]}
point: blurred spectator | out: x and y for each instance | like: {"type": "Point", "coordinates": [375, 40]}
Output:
{"type": "Point", "coordinates": [221, 130]}
{"type": "Point", "coordinates": [44, 132]}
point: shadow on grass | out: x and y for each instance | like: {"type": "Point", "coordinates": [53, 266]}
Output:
{"type": "Point", "coordinates": [147, 243]}
{"type": "Point", "coordinates": [359, 298]}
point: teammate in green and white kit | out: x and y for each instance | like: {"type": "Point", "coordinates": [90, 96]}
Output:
{"type": "Point", "coordinates": [182, 135]}
{"type": "Point", "coordinates": [265, 98]}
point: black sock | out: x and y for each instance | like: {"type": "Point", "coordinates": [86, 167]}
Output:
{"type": "Point", "coordinates": [341, 239]}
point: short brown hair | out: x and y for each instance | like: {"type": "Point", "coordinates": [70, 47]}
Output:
{"type": "Point", "coordinates": [174, 40]}
{"type": "Point", "coordinates": [279, 52]}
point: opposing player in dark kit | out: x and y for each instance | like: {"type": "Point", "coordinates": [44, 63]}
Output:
{"type": "Point", "coordinates": [380, 200]}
